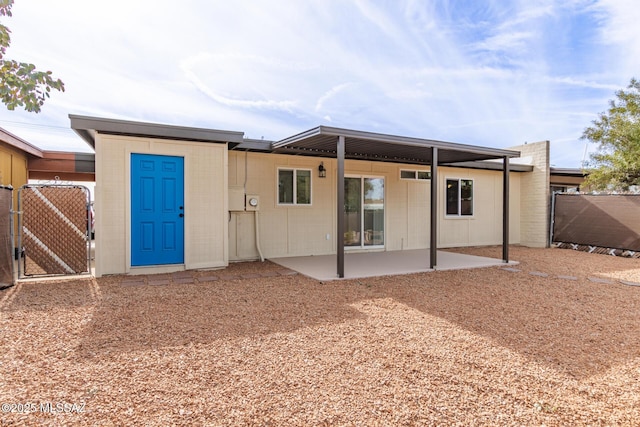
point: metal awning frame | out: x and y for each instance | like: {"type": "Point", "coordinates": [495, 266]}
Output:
{"type": "Point", "coordinates": [343, 144]}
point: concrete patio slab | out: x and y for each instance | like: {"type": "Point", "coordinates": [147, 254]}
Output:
{"type": "Point", "coordinates": [601, 280]}
{"type": "Point", "coordinates": [371, 264]}
{"type": "Point", "coordinates": [538, 273]}
{"type": "Point", "coordinates": [624, 282]}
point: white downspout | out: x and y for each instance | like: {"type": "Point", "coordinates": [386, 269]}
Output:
{"type": "Point", "coordinates": [255, 213]}
{"type": "Point", "coordinates": [256, 216]}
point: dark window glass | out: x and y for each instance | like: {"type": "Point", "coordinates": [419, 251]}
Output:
{"type": "Point", "coordinates": [452, 196]}
{"type": "Point", "coordinates": [303, 187]}
{"type": "Point", "coordinates": [466, 197]}
{"type": "Point", "coordinates": [285, 186]}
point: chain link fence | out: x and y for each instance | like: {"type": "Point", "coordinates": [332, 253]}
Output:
{"type": "Point", "coordinates": [54, 229]}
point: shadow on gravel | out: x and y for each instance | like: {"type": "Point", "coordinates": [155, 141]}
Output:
{"type": "Point", "coordinates": [133, 318]}
{"type": "Point", "coordinates": [575, 327]}
{"type": "Point", "coordinates": [45, 295]}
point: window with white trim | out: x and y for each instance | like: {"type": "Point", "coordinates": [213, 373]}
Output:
{"type": "Point", "coordinates": [459, 197]}
{"type": "Point", "coordinates": [415, 174]}
{"type": "Point", "coordinates": [294, 186]}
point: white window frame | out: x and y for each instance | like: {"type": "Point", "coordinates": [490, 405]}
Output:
{"type": "Point", "coordinates": [295, 186]}
{"type": "Point", "coordinates": [415, 175]}
{"type": "Point", "coordinates": [473, 198]}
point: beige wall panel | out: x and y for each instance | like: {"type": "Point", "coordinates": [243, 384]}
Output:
{"type": "Point", "coordinates": [206, 219]}
{"type": "Point", "coordinates": [242, 237]}
{"type": "Point", "coordinates": [385, 168]}
{"type": "Point", "coordinates": [357, 166]}
{"type": "Point", "coordinates": [111, 206]}
{"type": "Point", "coordinates": [234, 179]}
{"type": "Point", "coordinates": [292, 230]}
{"type": "Point", "coordinates": [233, 244]}
{"type": "Point", "coordinates": [307, 232]}
{"type": "Point", "coordinates": [261, 181]}
{"type": "Point", "coordinates": [302, 230]}
{"type": "Point", "coordinates": [514, 207]}
{"type": "Point", "coordinates": [418, 214]}
{"type": "Point", "coordinates": [397, 229]}
{"type": "Point", "coordinates": [274, 233]}
{"type": "Point", "coordinates": [205, 184]}
{"type": "Point", "coordinates": [485, 227]}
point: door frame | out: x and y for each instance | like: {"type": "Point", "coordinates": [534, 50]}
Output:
{"type": "Point", "coordinates": [141, 269]}
{"type": "Point", "coordinates": [362, 246]}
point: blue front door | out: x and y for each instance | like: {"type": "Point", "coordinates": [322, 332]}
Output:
{"type": "Point", "coordinates": [157, 210]}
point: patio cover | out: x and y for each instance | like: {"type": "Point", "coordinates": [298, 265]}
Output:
{"type": "Point", "coordinates": [342, 144]}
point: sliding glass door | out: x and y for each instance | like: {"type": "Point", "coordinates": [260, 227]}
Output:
{"type": "Point", "coordinates": [364, 212]}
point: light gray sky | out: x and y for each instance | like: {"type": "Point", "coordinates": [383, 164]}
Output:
{"type": "Point", "coordinates": [492, 73]}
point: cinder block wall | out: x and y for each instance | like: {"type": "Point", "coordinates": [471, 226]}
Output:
{"type": "Point", "coordinates": [534, 195]}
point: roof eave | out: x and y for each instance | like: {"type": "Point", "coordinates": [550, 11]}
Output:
{"type": "Point", "coordinates": [490, 165]}
{"type": "Point", "coordinates": [86, 127]}
{"type": "Point", "coordinates": [394, 139]}
{"type": "Point", "coordinates": [19, 143]}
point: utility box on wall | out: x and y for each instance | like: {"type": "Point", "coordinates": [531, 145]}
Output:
{"type": "Point", "coordinates": [236, 198]}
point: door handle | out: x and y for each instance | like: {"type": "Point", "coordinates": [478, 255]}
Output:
{"type": "Point", "coordinates": [181, 215]}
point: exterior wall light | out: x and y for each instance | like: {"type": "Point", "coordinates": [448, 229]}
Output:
{"type": "Point", "coordinates": [322, 172]}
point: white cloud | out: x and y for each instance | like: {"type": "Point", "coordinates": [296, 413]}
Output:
{"type": "Point", "coordinates": [489, 73]}
{"type": "Point", "coordinates": [330, 94]}
{"type": "Point", "coordinates": [504, 41]}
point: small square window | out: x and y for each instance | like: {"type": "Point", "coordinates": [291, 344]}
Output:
{"type": "Point", "coordinates": [294, 186]}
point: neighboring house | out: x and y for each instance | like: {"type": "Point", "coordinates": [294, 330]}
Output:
{"type": "Point", "coordinates": [566, 179]}
{"type": "Point", "coordinates": [170, 198]}
{"type": "Point", "coordinates": [21, 161]}
{"type": "Point", "coordinates": [15, 153]}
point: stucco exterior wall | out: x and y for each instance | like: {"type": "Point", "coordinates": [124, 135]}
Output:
{"type": "Point", "coordinates": [485, 226]}
{"type": "Point", "coordinates": [205, 204]}
{"type": "Point", "coordinates": [535, 195]}
{"type": "Point", "coordinates": [303, 230]}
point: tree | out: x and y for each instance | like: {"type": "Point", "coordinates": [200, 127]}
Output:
{"type": "Point", "coordinates": [22, 85]}
{"type": "Point", "coordinates": [616, 164]}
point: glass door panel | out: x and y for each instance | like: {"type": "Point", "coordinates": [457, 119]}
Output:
{"type": "Point", "coordinates": [363, 212]}
{"type": "Point", "coordinates": [352, 211]}
{"type": "Point", "coordinates": [373, 211]}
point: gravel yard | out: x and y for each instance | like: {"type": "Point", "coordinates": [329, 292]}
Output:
{"type": "Point", "coordinates": [256, 345]}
